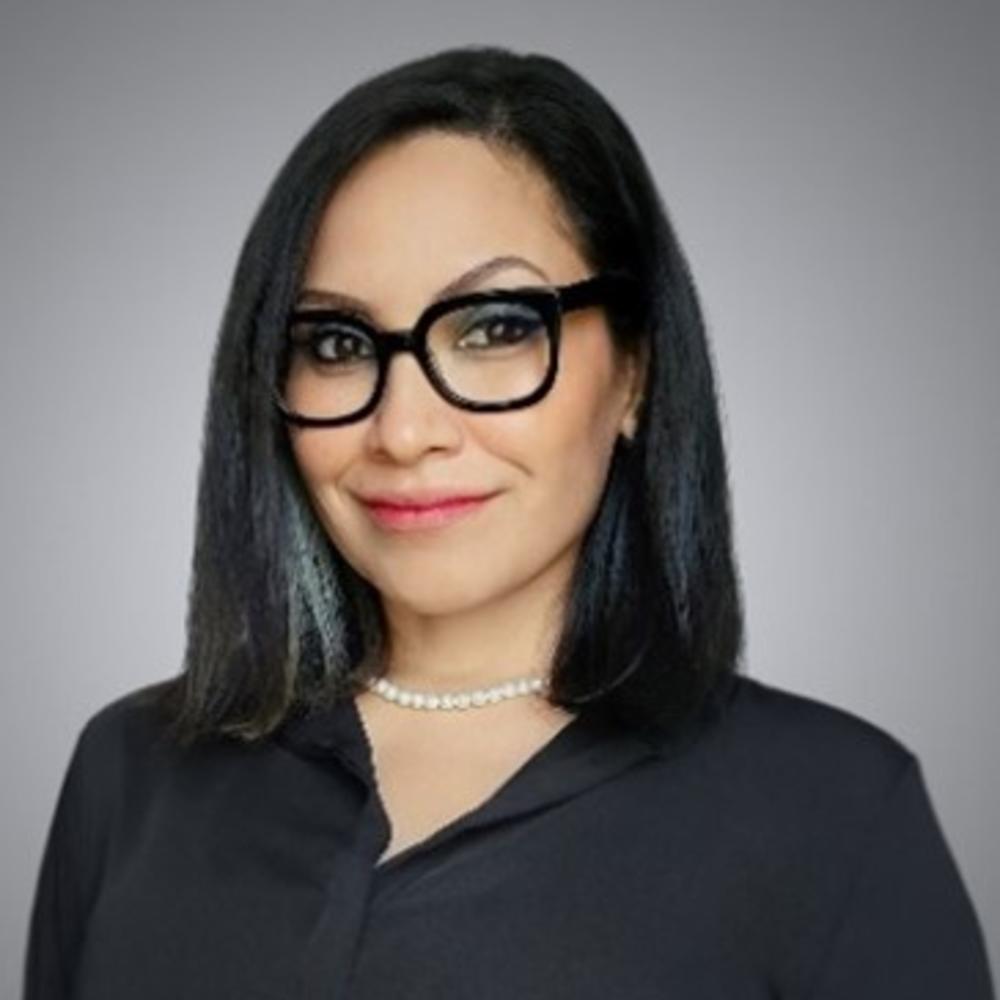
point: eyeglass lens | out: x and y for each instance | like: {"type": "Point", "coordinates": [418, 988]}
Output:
{"type": "Point", "coordinates": [487, 352]}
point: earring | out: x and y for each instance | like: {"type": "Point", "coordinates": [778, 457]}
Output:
{"type": "Point", "coordinates": [627, 433]}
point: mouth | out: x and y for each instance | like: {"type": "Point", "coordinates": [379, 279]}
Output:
{"type": "Point", "coordinates": [421, 517]}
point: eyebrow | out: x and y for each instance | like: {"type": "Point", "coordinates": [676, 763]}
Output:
{"type": "Point", "coordinates": [464, 282]}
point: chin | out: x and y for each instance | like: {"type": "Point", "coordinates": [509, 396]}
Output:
{"type": "Point", "coordinates": [425, 596]}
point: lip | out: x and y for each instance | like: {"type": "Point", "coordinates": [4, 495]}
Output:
{"type": "Point", "coordinates": [406, 514]}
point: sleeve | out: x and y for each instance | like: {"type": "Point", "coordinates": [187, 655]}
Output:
{"type": "Point", "coordinates": [65, 885]}
{"type": "Point", "coordinates": [909, 930]}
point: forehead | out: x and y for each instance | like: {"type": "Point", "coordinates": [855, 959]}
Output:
{"type": "Point", "coordinates": [420, 211]}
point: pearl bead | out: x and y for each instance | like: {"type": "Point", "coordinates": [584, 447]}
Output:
{"type": "Point", "coordinates": [449, 700]}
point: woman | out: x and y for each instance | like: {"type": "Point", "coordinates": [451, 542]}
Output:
{"type": "Point", "coordinates": [461, 713]}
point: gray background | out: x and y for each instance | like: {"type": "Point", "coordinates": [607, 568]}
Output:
{"type": "Point", "coordinates": [832, 172]}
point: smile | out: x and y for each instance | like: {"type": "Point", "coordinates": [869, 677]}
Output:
{"type": "Point", "coordinates": [413, 518]}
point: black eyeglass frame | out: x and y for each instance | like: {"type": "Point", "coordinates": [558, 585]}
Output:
{"type": "Point", "coordinates": [552, 302]}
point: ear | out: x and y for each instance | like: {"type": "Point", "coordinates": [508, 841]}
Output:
{"type": "Point", "coordinates": [636, 368]}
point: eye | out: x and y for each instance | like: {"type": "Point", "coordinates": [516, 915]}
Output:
{"type": "Point", "coordinates": [504, 328]}
{"type": "Point", "coordinates": [332, 342]}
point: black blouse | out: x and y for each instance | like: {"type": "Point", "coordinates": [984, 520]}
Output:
{"type": "Point", "coordinates": [785, 849]}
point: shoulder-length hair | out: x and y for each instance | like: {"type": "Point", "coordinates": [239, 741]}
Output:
{"type": "Point", "coordinates": [277, 619]}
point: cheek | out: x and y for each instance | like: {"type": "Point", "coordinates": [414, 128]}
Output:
{"type": "Point", "coordinates": [323, 453]}
{"type": "Point", "coordinates": [321, 460]}
{"type": "Point", "coordinates": [566, 446]}
{"type": "Point", "coordinates": [578, 426]}
{"type": "Point", "coordinates": [571, 466]}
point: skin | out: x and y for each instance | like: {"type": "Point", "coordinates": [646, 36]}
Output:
{"type": "Point", "coordinates": [409, 219]}
{"type": "Point", "coordinates": [477, 602]}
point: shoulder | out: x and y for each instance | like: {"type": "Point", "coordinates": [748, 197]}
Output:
{"type": "Point", "coordinates": [123, 732]}
{"type": "Point", "coordinates": [129, 715]}
{"type": "Point", "coordinates": [797, 758]}
{"type": "Point", "coordinates": [111, 753]}
{"type": "Point", "coordinates": [836, 838]}
{"type": "Point", "coordinates": [772, 720]}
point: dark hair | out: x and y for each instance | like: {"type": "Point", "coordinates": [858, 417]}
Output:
{"type": "Point", "coordinates": [278, 620]}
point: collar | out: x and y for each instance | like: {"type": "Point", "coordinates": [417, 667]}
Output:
{"type": "Point", "coordinates": [586, 749]}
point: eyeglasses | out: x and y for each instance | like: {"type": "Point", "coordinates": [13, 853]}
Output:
{"type": "Point", "coordinates": [484, 351]}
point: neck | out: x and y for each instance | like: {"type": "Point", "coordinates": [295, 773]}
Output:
{"type": "Point", "coordinates": [478, 646]}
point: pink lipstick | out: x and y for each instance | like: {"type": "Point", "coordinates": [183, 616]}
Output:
{"type": "Point", "coordinates": [398, 516]}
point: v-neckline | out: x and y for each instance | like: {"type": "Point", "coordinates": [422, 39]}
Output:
{"type": "Point", "coordinates": [548, 749]}
{"type": "Point", "coordinates": [585, 752]}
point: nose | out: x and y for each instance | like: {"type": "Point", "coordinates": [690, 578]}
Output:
{"type": "Point", "coordinates": [411, 417]}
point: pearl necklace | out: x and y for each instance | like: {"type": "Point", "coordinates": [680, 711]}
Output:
{"type": "Point", "coordinates": [476, 698]}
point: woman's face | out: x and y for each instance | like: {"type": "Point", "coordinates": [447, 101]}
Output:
{"type": "Point", "coordinates": [412, 217]}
